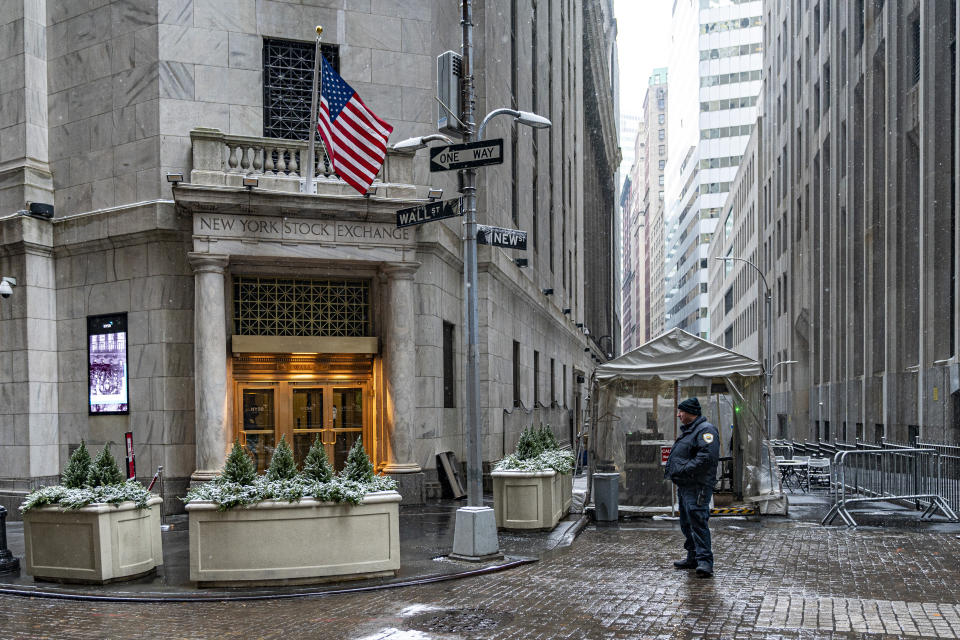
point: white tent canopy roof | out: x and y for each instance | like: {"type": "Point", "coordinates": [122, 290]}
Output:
{"type": "Point", "coordinates": [678, 355]}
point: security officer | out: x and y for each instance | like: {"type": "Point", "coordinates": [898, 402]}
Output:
{"type": "Point", "coordinates": [692, 466]}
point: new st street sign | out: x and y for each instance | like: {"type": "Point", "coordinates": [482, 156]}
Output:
{"type": "Point", "coordinates": [429, 212]}
{"type": "Point", "coordinates": [466, 155]}
{"type": "Point", "coordinates": [500, 237]}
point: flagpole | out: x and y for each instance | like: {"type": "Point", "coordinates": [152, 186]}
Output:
{"type": "Point", "coordinates": [308, 183]}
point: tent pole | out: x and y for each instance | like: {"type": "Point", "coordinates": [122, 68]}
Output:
{"type": "Point", "coordinates": [673, 487]}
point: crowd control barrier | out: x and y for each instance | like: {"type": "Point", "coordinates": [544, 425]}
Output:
{"type": "Point", "coordinates": [887, 475]}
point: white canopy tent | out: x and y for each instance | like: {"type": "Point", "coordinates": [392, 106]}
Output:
{"type": "Point", "coordinates": [633, 414]}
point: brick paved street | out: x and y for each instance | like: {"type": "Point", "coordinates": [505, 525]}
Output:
{"type": "Point", "coordinates": [775, 579]}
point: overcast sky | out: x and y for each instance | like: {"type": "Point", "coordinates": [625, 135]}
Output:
{"type": "Point", "coordinates": [643, 43]}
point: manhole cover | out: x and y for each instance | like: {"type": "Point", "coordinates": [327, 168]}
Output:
{"type": "Point", "coordinates": [458, 620]}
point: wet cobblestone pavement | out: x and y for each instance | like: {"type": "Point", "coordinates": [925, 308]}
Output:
{"type": "Point", "coordinates": [775, 578]}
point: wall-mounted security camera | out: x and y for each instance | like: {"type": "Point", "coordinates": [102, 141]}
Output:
{"type": "Point", "coordinates": [6, 287]}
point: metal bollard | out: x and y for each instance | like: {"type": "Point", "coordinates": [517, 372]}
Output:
{"type": "Point", "coordinates": [8, 564]}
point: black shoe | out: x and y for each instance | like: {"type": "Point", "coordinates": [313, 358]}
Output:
{"type": "Point", "coordinates": [685, 564]}
{"type": "Point", "coordinates": [704, 570]}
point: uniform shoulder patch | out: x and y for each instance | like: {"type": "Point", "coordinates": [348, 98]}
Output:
{"type": "Point", "coordinates": [708, 437]}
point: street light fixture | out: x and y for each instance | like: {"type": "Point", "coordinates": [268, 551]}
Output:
{"type": "Point", "coordinates": [419, 142]}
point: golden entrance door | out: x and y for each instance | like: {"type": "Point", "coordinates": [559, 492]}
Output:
{"type": "Point", "coordinates": [336, 412]}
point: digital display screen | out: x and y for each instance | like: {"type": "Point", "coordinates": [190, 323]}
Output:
{"type": "Point", "coordinates": [107, 364]}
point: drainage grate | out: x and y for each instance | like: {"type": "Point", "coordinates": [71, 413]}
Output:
{"type": "Point", "coordinates": [458, 620]}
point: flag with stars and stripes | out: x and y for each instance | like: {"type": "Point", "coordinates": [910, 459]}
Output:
{"type": "Point", "coordinates": [356, 139]}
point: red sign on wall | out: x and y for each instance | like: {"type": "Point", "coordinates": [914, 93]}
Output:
{"type": "Point", "coordinates": [664, 454]}
{"type": "Point", "coordinates": [131, 466]}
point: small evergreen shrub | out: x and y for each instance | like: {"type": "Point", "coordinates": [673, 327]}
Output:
{"type": "Point", "coordinates": [537, 450]}
{"type": "Point", "coordinates": [104, 470]}
{"type": "Point", "coordinates": [317, 479]}
{"type": "Point", "coordinates": [239, 468]}
{"type": "Point", "coordinates": [529, 445]}
{"type": "Point", "coordinates": [85, 482]}
{"type": "Point", "coordinates": [282, 466]}
{"type": "Point", "coordinates": [358, 467]}
{"type": "Point", "coordinates": [78, 468]}
{"type": "Point", "coordinates": [316, 465]}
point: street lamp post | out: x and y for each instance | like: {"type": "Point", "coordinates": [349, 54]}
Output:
{"type": "Point", "coordinates": [475, 531]}
{"type": "Point", "coordinates": [767, 356]}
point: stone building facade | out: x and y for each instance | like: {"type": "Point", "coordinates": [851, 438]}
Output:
{"type": "Point", "coordinates": [259, 312]}
{"type": "Point", "coordinates": [858, 215]}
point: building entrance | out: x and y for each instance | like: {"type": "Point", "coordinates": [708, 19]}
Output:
{"type": "Point", "coordinates": [303, 406]}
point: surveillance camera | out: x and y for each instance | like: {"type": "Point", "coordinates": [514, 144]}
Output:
{"type": "Point", "coordinates": [6, 287]}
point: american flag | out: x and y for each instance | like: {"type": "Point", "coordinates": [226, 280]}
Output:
{"type": "Point", "coordinates": [356, 139]}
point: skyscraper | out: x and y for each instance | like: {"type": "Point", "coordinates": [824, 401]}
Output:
{"type": "Point", "coordinates": [715, 65]}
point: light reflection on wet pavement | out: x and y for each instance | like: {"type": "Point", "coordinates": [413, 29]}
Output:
{"type": "Point", "coordinates": [774, 579]}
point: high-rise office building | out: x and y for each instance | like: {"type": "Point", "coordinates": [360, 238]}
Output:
{"type": "Point", "coordinates": [642, 291]}
{"type": "Point", "coordinates": [715, 63]}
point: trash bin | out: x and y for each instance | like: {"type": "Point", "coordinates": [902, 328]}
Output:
{"type": "Point", "coordinates": [606, 496]}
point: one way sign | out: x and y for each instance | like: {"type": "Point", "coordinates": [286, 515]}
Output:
{"type": "Point", "coordinates": [467, 155]}
{"type": "Point", "coordinates": [500, 237]}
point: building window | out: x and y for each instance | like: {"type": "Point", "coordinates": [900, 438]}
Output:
{"type": "Point", "coordinates": [661, 149]}
{"type": "Point", "coordinates": [661, 118]}
{"type": "Point", "coordinates": [728, 338]}
{"type": "Point", "coordinates": [284, 307]}
{"type": "Point", "coordinates": [536, 378]}
{"type": "Point", "coordinates": [728, 301]}
{"type": "Point", "coordinates": [661, 134]}
{"type": "Point", "coordinates": [516, 373]}
{"type": "Point", "coordinates": [449, 370]}
{"type": "Point", "coordinates": [662, 165]}
{"type": "Point", "coordinates": [553, 386]}
{"type": "Point", "coordinates": [661, 179]}
{"type": "Point", "coordinates": [287, 81]}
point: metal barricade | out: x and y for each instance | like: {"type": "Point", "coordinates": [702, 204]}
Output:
{"type": "Point", "coordinates": [949, 485]}
{"type": "Point", "coordinates": [889, 474]}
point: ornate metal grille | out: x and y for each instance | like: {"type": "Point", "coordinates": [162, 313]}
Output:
{"type": "Point", "coordinates": [283, 307]}
{"type": "Point", "coordinates": [287, 80]}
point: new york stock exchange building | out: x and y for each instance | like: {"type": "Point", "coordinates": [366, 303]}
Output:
{"type": "Point", "coordinates": [171, 281]}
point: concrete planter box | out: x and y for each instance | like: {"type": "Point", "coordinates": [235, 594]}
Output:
{"type": "Point", "coordinates": [97, 544]}
{"type": "Point", "coordinates": [294, 543]}
{"type": "Point", "coordinates": [531, 499]}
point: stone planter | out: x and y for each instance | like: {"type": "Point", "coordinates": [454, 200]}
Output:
{"type": "Point", "coordinates": [531, 499]}
{"type": "Point", "coordinates": [97, 544]}
{"type": "Point", "coordinates": [294, 543]}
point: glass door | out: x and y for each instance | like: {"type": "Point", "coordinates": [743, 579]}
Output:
{"type": "Point", "coordinates": [346, 423]}
{"type": "Point", "coordinates": [307, 421]}
{"type": "Point", "coordinates": [258, 423]}
{"type": "Point", "coordinates": [334, 413]}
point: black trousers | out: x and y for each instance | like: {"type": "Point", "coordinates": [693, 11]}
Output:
{"type": "Point", "coordinates": [694, 517]}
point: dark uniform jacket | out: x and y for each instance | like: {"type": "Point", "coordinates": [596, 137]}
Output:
{"type": "Point", "coordinates": [695, 455]}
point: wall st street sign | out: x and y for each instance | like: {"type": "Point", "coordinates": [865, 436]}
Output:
{"type": "Point", "coordinates": [429, 212]}
{"type": "Point", "coordinates": [466, 155]}
{"type": "Point", "coordinates": [500, 237]}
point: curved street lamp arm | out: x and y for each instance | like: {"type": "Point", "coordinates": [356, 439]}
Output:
{"type": "Point", "coordinates": [491, 115]}
{"type": "Point", "coordinates": [760, 273]}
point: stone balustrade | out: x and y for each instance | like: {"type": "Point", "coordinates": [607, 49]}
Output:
{"type": "Point", "coordinates": [221, 159]}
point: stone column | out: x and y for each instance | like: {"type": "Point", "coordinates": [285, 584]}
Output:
{"type": "Point", "coordinates": [400, 369]}
{"type": "Point", "coordinates": [210, 365]}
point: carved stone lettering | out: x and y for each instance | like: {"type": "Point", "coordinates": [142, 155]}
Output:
{"type": "Point", "coordinates": [266, 229]}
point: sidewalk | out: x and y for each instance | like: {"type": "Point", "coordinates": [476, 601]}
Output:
{"type": "Point", "coordinates": [426, 537]}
